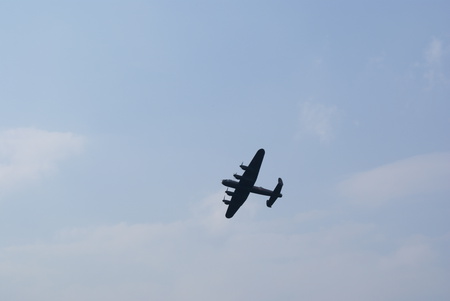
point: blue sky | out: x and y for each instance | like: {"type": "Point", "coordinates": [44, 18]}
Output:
{"type": "Point", "coordinates": [119, 119]}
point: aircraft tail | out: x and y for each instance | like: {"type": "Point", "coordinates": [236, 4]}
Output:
{"type": "Point", "coordinates": [276, 193]}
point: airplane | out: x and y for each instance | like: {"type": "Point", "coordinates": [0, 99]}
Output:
{"type": "Point", "coordinates": [245, 186]}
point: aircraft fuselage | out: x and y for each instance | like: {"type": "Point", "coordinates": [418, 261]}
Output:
{"type": "Point", "coordinates": [252, 189]}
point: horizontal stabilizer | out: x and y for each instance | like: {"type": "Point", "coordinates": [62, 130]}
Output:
{"type": "Point", "coordinates": [276, 193]}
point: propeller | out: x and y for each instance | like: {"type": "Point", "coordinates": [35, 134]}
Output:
{"type": "Point", "coordinates": [243, 166]}
{"type": "Point", "coordinates": [225, 201]}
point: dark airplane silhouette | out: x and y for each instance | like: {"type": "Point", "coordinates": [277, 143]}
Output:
{"type": "Point", "coordinates": [244, 186]}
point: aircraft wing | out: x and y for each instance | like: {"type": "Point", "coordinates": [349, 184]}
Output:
{"type": "Point", "coordinates": [239, 197]}
{"type": "Point", "coordinates": [252, 170]}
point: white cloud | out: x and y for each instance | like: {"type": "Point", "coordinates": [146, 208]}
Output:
{"type": "Point", "coordinates": [311, 215]}
{"type": "Point", "coordinates": [318, 120]}
{"type": "Point", "coordinates": [244, 260]}
{"type": "Point", "coordinates": [434, 52]}
{"type": "Point", "coordinates": [416, 175]}
{"type": "Point", "coordinates": [435, 58]}
{"type": "Point", "coordinates": [377, 61]}
{"type": "Point", "coordinates": [411, 253]}
{"type": "Point", "coordinates": [28, 154]}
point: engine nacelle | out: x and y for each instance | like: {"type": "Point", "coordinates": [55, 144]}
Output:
{"type": "Point", "coordinates": [230, 193]}
{"type": "Point", "coordinates": [244, 167]}
{"type": "Point", "coordinates": [236, 176]}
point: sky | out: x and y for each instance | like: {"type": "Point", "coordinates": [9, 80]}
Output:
{"type": "Point", "coordinates": [119, 120]}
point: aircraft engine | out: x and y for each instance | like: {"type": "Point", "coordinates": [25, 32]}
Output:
{"type": "Point", "coordinates": [244, 167]}
{"type": "Point", "coordinates": [230, 193]}
{"type": "Point", "coordinates": [236, 176]}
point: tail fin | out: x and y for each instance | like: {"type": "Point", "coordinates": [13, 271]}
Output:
{"type": "Point", "coordinates": [276, 193]}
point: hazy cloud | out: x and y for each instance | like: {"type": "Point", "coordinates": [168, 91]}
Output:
{"type": "Point", "coordinates": [434, 52]}
{"type": "Point", "coordinates": [28, 153]}
{"type": "Point", "coordinates": [185, 260]}
{"type": "Point", "coordinates": [318, 120]}
{"type": "Point", "coordinates": [415, 175]}
{"type": "Point", "coordinates": [435, 57]}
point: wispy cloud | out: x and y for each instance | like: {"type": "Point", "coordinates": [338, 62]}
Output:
{"type": "Point", "coordinates": [28, 153]}
{"type": "Point", "coordinates": [184, 260]}
{"type": "Point", "coordinates": [434, 52]}
{"type": "Point", "coordinates": [436, 55]}
{"type": "Point", "coordinates": [419, 174]}
{"type": "Point", "coordinates": [318, 120]}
